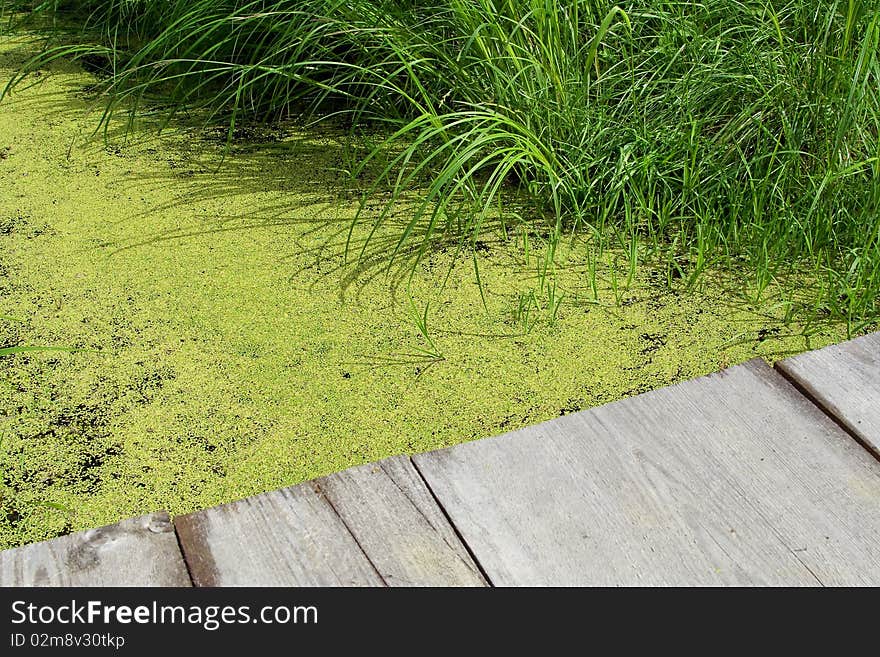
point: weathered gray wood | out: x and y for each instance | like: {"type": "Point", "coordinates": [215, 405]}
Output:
{"type": "Point", "coordinates": [289, 537]}
{"type": "Point", "coordinates": [135, 552]}
{"type": "Point", "coordinates": [397, 522]}
{"type": "Point", "coordinates": [367, 526]}
{"type": "Point", "coordinates": [845, 380]}
{"type": "Point", "coordinates": [734, 478]}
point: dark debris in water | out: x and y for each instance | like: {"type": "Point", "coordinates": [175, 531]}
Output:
{"type": "Point", "coordinates": [60, 435]}
{"type": "Point", "coordinates": [21, 223]}
{"type": "Point", "coordinates": [652, 342]}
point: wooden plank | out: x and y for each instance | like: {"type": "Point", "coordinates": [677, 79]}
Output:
{"type": "Point", "coordinates": [367, 526]}
{"type": "Point", "coordinates": [731, 479]}
{"type": "Point", "coordinates": [289, 537]}
{"type": "Point", "coordinates": [135, 552]}
{"type": "Point", "coordinates": [844, 380]}
{"type": "Point", "coordinates": [397, 522]}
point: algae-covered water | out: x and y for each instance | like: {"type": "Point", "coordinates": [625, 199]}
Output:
{"type": "Point", "coordinates": [230, 348]}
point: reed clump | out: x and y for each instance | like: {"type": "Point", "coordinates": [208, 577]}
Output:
{"type": "Point", "coordinates": [742, 134]}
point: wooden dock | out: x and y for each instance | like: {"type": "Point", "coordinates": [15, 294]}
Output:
{"type": "Point", "coordinates": [751, 476]}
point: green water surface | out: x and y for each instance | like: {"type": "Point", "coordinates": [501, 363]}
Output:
{"type": "Point", "coordinates": [235, 351]}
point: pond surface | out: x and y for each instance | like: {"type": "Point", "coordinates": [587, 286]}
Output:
{"type": "Point", "coordinates": [235, 351]}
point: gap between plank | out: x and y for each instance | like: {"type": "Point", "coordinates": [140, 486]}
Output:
{"type": "Point", "coordinates": [452, 524]}
{"type": "Point", "coordinates": [186, 565]}
{"type": "Point", "coordinates": [316, 487]}
{"type": "Point", "coordinates": [814, 399]}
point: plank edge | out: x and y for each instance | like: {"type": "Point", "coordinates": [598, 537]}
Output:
{"type": "Point", "coordinates": [481, 571]}
{"type": "Point", "coordinates": [811, 394]}
{"type": "Point", "coordinates": [194, 549]}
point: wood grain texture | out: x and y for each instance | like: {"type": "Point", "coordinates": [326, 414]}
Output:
{"type": "Point", "coordinates": [397, 522]}
{"type": "Point", "coordinates": [368, 526]}
{"type": "Point", "coordinates": [731, 479]}
{"type": "Point", "coordinates": [289, 537]}
{"type": "Point", "coordinates": [844, 379]}
{"type": "Point", "coordinates": [135, 552]}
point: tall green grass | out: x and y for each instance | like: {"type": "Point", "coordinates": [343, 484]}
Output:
{"type": "Point", "coordinates": [741, 134]}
